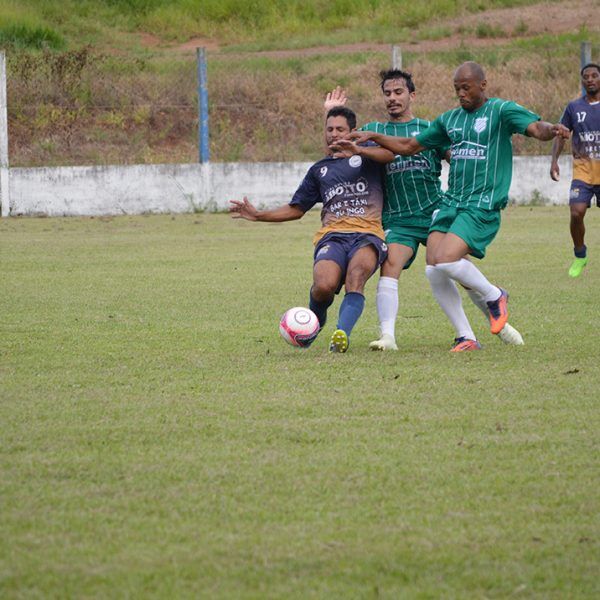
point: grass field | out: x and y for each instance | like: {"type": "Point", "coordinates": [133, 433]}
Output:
{"type": "Point", "coordinates": [160, 440]}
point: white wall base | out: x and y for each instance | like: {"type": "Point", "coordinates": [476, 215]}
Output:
{"type": "Point", "coordinates": [137, 189]}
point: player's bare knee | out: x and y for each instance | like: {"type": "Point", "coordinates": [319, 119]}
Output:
{"type": "Point", "coordinates": [392, 267]}
{"type": "Point", "coordinates": [322, 290]}
{"type": "Point", "coordinates": [578, 212]}
{"type": "Point", "coordinates": [357, 277]}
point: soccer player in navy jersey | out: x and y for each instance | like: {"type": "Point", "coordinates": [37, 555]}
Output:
{"type": "Point", "coordinates": [479, 133]}
{"type": "Point", "coordinates": [582, 117]}
{"type": "Point", "coordinates": [349, 246]}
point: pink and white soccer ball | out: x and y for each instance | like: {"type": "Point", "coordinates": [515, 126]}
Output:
{"type": "Point", "coordinates": [299, 326]}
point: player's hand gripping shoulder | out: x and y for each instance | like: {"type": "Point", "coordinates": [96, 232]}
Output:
{"type": "Point", "coordinates": [243, 209]}
{"type": "Point", "coordinates": [337, 97]}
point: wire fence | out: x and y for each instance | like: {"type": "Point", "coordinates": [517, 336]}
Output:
{"type": "Point", "coordinates": [82, 107]}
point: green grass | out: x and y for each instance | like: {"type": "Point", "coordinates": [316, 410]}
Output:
{"type": "Point", "coordinates": [240, 21]}
{"type": "Point", "coordinates": [21, 28]}
{"type": "Point", "coordinates": [160, 440]}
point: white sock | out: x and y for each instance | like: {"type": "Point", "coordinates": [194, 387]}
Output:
{"type": "Point", "coordinates": [470, 276]}
{"type": "Point", "coordinates": [387, 304]}
{"type": "Point", "coordinates": [479, 302]}
{"type": "Point", "coordinates": [447, 296]}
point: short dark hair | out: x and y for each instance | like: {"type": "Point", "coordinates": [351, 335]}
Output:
{"type": "Point", "coordinates": [594, 65]}
{"type": "Point", "coordinates": [342, 111]}
{"type": "Point", "coordinates": [397, 74]}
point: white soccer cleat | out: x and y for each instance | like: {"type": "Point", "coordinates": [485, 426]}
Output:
{"type": "Point", "coordinates": [385, 342]}
{"type": "Point", "coordinates": [509, 335]}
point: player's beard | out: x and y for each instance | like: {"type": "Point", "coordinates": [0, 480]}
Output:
{"type": "Point", "coordinates": [395, 111]}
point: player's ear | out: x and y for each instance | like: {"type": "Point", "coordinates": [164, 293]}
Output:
{"type": "Point", "coordinates": [483, 84]}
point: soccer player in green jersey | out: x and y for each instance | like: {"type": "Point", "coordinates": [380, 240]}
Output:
{"type": "Point", "coordinates": [479, 135]}
{"type": "Point", "coordinates": [412, 194]}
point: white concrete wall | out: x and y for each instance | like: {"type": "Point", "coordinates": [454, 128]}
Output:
{"type": "Point", "coordinates": [136, 189]}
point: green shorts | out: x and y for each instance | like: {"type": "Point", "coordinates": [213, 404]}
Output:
{"type": "Point", "coordinates": [408, 231]}
{"type": "Point", "coordinates": [477, 227]}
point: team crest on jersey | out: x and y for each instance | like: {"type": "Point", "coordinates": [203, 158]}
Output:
{"type": "Point", "coordinates": [355, 161]}
{"type": "Point", "coordinates": [480, 124]}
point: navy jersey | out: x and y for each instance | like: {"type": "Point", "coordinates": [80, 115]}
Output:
{"type": "Point", "coordinates": [583, 119]}
{"type": "Point", "coordinates": [351, 190]}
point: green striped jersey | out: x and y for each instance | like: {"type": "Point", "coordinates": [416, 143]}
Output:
{"type": "Point", "coordinates": [412, 183]}
{"type": "Point", "coordinates": [481, 149]}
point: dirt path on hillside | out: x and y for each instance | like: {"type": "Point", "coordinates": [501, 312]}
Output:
{"type": "Point", "coordinates": [505, 23]}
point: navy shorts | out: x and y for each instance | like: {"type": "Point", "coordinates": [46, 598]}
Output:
{"type": "Point", "coordinates": [583, 192]}
{"type": "Point", "coordinates": [341, 247]}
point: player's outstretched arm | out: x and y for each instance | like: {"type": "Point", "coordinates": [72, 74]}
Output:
{"type": "Point", "coordinates": [244, 209]}
{"type": "Point", "coordinates": [337, 97]}
{"type": "Point", "coordinates": [347, 148]}
{"type": "Point", "coordinates": [544, 131]}
{"type": "Point", "coordinates": [557, 147]}
{"type": "Point", "coordinates": [397, 145]}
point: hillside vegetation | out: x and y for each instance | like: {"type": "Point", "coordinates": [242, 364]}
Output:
{"type": "Point", "coordinates": [115, 81]}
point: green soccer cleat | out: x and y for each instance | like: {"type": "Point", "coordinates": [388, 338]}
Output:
{"type": "Point", "coordinates": [577, 266]}
{"type": "Point", "coordinates": [385, 342]}
{"type": "Point", "coordinates": [339, 341]}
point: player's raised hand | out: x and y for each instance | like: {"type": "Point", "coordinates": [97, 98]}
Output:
{"type": "Point", "coordinates": [243, 209]}
{"type": "Point", "coordinates": [337, 97]}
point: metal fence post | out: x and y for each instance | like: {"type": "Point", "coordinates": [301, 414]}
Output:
{"type": "Point", "coordinates": [203, 130]}
{"type": "Point", "coordinates": [4, 173]}
{"type": "Point", "coordinates": [396, 57]}
{"type": "Point", "coordinates": [203, 144]}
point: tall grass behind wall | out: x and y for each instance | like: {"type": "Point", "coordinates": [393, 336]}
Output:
{"type": "Point", "coordinates": [83, 107]}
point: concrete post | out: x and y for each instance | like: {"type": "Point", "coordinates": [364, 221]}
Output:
{"type": "Point", "coordinates": [4, 173]}
{"type": "Point", "coordinates": [396, 57]}
{"type": "Point", "coordinates": [585, 58]}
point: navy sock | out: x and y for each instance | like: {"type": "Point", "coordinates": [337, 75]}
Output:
{"type": "Point", "coordinates": [320, 309]}
{"type": "Point", "coordinates": [582, 252]}
{"type": "Point", "coordinates": [350, 310]}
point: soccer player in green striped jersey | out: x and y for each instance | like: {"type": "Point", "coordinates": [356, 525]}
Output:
{"type": "Point", "coordinates": [412, 193]}
{"type": "Point", "coordinates": [479, 134]}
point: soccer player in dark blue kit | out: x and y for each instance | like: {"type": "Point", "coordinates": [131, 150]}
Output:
{"type": "Point", "coordinates": [349, 246]}
{"type": "Point", "coordinates": [582, 117]}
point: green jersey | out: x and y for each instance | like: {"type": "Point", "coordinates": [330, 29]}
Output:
{"type": "Point", "coordinates": [481, 150]}
{"type": "Point", "coordinates": [412, 183]}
